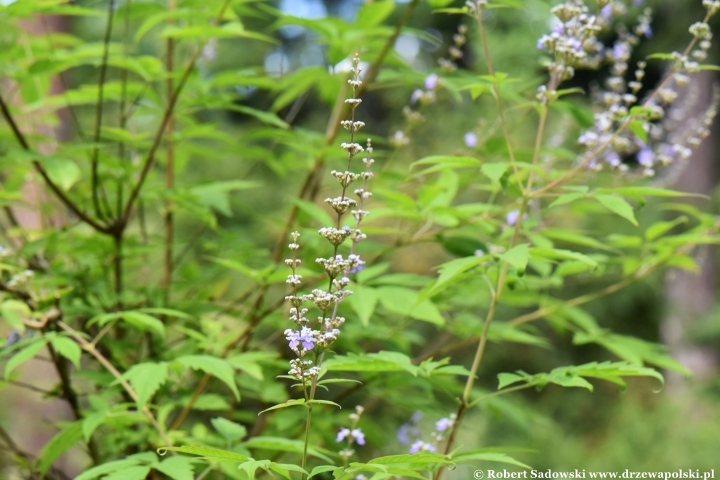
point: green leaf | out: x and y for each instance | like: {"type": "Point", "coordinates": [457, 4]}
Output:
{"type": "Point", "coordinates": [59, 444]}
{"type": "Point", "coordinates": [177, 468]}
{"type": "Point", "coordinates": [245, 362]}
{"type": "Point", "coordinates": [649, 191]}
{"type": "Point", "coordinates": [561, 254]}
{"type": "Point", "coordinates": [250, 467]}
{"type": "Point", "coordinates": [494, 171]}
{"type": "Point", "coordinates": [617, 205]}
{"type": "Point", "coordinates": [290, 403]}
{"type": "Point", "coordinates": [215, 366]}
{"type": "Point", "coordinates": [634, 350]}
{"type": "Point", "coordinates": [567, 198]}
{"type": "Point", "coordinates": [372, 362]}
{"type": "Point", "coordinates": [168, 312]}
{"type": "Point", "coordinates": [146, 379]}
{"type": "Point", "coordinates": [141, 321]}
{"type": "Point", "coordinates": [230, 431]}
{"type": "Point", "coordinates": [442, 162]}
{"type": "Point", "coordinates": [451, 270]}
{"type": "Point", "coordinates": [91, 423]}
{"type": "Point", "coordinates": [280, 444]}
{"type": "Point", "coordinates": [487, 457]}
{"type": "Point", "coordinates": [24, 355]}
{"type": "Point", "coordinates": [209, 453]}
{"type": "Point", "coordinates": [109, 467]}
{"type": "Point", "coordinates": [407, 302]}
{"type": "Point", "coordinates": [63, 173]}
{"type": "Point", "coordinates": [322, 469]}
{"type": "Point", "coordinates": [505, 379]}
{"type": "Point", "coordinates": [68, 349]}
{"type": "Point", "coordinates": [12, 311]}
{"type": "Point", "coordinates": [574, 376]}
{"type": "Point", "coordinates": [138, 472]}
{"type": "Point", "coordinates": [216, 195]}
{"type": "Point", "coordinates": [638, 128]}
{"type": "Point", "coordinates": [518, 257]}
{"type": "Point", "coordinates": [266, 117]}
{"type": "Point", "coordinates": [363, 301]}
{"type": "Point", "coordinates": [372, 14]}
{"type": "Point", "coordinates": [659, 229]}
{"type": "Point", "coordinates": [316, 212]}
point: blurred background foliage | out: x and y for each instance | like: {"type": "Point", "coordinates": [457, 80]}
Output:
{"type": "Point", "coordinates": [238, 169]}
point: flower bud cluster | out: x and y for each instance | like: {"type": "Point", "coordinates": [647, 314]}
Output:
{"type": "Point", "coordinates": [309, 339]}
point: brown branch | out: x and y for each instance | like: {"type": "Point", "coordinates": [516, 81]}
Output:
{"type": "Point", "coordinates": [52, 474]}
{"type": "Point", "coordinates": [41, 170]}
{"type": "Point", "coordinates": [96, 185]}
{"type": "Point", "coordinates": [92, 350]}
{"type": "Point", "coordinates": [167, 115]}
{"type": "Point", "coordinates": [169, 168]}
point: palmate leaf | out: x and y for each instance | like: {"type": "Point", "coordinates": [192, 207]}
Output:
{"type": "Point", "coordinates": [574, 376]}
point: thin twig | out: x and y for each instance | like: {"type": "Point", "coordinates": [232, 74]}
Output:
{"type": "Point", "coordinates": [90, 348]}
{"type": "Point", "coordinates": [167, 115]}
{"type": "Point", "coordinates": [43, 173]}
{"type": "Point", "coordinates": [94, 161]}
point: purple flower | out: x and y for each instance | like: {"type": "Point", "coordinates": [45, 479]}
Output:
{"type": "Point", "coordinates": [344, 432]}
{"type": "Point", "coordinates": [638, 3]}
{"type": "Point", "coordinates": [403, 434]}
{"type": "Point", "coordinates": [645, 157]}
{"type": "Point", "coordinates": [421, 446]}
{"type": "Point", "coordinates": [620, 51]}
{"type": "Point", "coordinates": [613, 159]}
{"type": "Point", "coordinates": [304, 336]}
{"type": "Point", "coordinates": [443, 424]}
{"type": "Point", "coordinates": [470, 139]}
{"type": "Point", "coordinates": [355, 433]}
{"type": "Point", "coordinates": [358, 435]}
{"type": "Point", "coordinates": [512, 217]}
{"type": "Point", "coordinates": [12, 339]}
{"type": "Point", "coordinates": [431, 82]}
{"type": "Point", "coordinates": [416, 96]}
{"type": "Point", "coordinates": [607, 11]}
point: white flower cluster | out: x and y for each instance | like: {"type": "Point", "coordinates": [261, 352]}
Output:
{"type": "Point", "coordinates": [307, 339]}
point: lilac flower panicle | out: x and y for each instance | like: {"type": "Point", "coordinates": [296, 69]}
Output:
{"type": "Point", "coordinates": [574, 43]}
{"type": "Point", "coordinates": [318, 335]}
